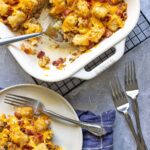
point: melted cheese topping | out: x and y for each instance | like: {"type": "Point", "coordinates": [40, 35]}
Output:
{"type": "Point", "coordinates": [25, 131]}
{"type": "Point", "coordinates": [88, 21]}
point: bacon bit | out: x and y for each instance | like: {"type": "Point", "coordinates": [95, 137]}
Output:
{"type": "Point", "coordinates": [55, 63]}
{"type": "Point", "coordinates": [27, 147]}
{"type": "Point", "coordinates": [40, 54]}
{"type": "Point", "coordinates": [40, 137]}
{"type": "Point", "coordinates": [59, 61]}
{"type": "Point", "coordinates": [29, 132]}
{"type": "Point", "coordinates": [66, 12]}
{"type": "Point", "coordinates": [21, 123]}
{"type": "Point", "coordinates": [18, 115]}
{"type": "Point", "coordinates": [9, 12]}
{"type": "Point", "coordinates": [89, 1]}
{"type": "Point", "coordinates": [91, 45]}
{"type": "Point", "coordinates": [121, 14]}
{"type": "Point", "coordinates": [4, 18]}
{"type": "Point", "coordinates": [32, 122]}
{"type": "Point", "coordinates": [50, 145]}
{"type": "Point", "coordinates": [108, 33]}
{"type": "Point", "coordinates": [8, 127]}
{"type": "Point", "coordinates": [106, 19]}
{"type": "Point", "coordinates": [23, 130]}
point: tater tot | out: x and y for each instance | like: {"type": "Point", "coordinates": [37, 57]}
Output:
{"type": "Point", "coordinates": [24, 112]}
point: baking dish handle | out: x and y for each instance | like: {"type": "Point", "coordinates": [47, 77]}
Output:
{"type": "Point", "coordinates": [86, 75]}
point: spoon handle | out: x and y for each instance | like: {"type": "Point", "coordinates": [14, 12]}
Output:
{"type": "Point", "coordinates": [18, 38]}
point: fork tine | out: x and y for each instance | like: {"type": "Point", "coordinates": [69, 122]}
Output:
{"type": "Point", "coordinates": [115, 87]}
{"type": "Point", "coordinates": [17, 99]}
{"type": "Point", "coordinates": [9, 103]}
{"type": "Point", "coordinates": [113, 93]}
{"type": "Point", "coordinates": [118, 85]}
{"type": "Point", "coordinates": [130, 72]}
{"type": "Point", "coordinates": [117, 93]}
{"type": "Point", "coordinates": [14, 101]}
{"type": "Point", "coordinates": [22, 98]}
{"type": "Point", "coordinates": [112, 89]}
{"type": "Point", "coordinates": [134, 72]}
{"type": "Point", "coordinates": [120, 88]}
{"type": "Point", "coordinates": [125, 75]}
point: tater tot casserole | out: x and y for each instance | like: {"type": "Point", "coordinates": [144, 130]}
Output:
{"type": "Point", "coordinates": [84, 23]}
{"type": "Point", "coordinates": [25, 131]}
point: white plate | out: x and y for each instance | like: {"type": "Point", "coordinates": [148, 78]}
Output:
{"type": "Point", "coordinates": [67, 136]}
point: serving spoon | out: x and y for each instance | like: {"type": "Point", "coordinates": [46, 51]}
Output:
{"type": "Point", "coordinates": [51, 32]}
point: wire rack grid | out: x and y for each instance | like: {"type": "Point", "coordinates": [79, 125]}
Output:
{"type": "Point", "coordinates": [140, 33]}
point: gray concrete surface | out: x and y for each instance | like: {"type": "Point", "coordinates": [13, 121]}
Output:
{"type": "Point", "coordinates": [94, 95]}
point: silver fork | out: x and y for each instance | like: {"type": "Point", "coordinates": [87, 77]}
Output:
{"type": "Point", "coordinates": [132, 90]}
{"type": "Point", "coordinates": [38, 107]}
{"type": "Point", "coordinates": [122, 105]}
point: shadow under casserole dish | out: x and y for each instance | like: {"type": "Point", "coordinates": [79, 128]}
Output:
{"type": "Point", "coordinates": [24, 131]}
{"type": "Point", "coordinates": [82, 22]}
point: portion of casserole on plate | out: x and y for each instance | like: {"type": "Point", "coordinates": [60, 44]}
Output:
{"type": "Point", "coordinates": [83, 22]}
{"type": "Point", "coordinates": [24, 131]}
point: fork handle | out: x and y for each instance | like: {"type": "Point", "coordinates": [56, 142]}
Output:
{"type": "Point", "coordinates": [92, 128]}
{"type": "Point", "coordinates": [130, 124]}
{"type": "Point", "coordinates": [136, 113]}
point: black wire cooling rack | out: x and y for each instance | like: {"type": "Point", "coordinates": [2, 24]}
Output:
{"type": "Point", "coordinates": [140, 33]}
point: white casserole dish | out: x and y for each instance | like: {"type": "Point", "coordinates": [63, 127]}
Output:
{"type": "Point", "coordinates": [76, 69]}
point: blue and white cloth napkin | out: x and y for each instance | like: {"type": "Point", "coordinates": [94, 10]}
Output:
{"type": "Point", "coordinates": [106, 119]}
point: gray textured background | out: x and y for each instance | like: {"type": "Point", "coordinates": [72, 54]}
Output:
{"type": "Point", "coordinates": [94, 94]}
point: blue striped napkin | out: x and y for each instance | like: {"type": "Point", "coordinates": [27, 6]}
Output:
{"type": "Point", "coordinates": [106, 119]}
